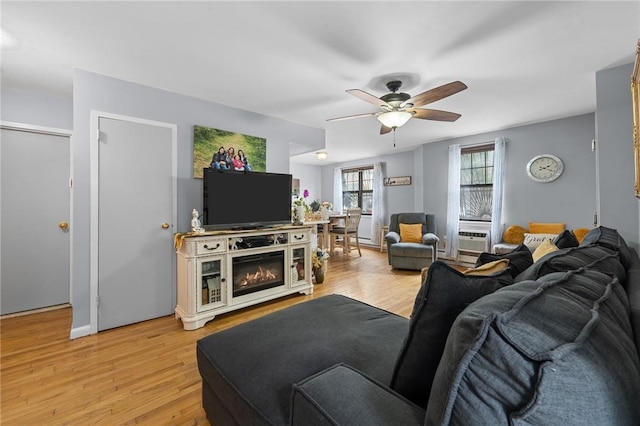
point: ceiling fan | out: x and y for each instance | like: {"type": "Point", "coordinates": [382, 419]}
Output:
{"type": "Point", "coordinates": [397, 107]}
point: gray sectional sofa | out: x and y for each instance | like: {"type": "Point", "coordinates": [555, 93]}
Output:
{"type": "Point", "coordinates": [551, 342]}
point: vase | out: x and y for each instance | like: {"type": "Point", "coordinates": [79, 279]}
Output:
{"type": "Point", "coordinates": [300, 212]}
{"type": "Point", "coordinates": [319, 275]}
{"type": "Point", "coordinates": [324, 213]}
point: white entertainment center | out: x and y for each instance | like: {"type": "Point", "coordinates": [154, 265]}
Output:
{"type": "Point", "coordinates": [221, 271]}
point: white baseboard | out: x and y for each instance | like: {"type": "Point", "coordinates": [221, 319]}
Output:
{"type": "Point", "coordinates": [85, 330]}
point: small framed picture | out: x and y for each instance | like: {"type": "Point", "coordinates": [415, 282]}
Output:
{"type": "Point", "coordinates": [398, 180]}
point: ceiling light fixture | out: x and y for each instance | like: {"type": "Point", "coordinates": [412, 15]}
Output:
{"type": "Point", "coordinates": [321, 155]}
{"type": "Point", "coordinates": [394, 119]}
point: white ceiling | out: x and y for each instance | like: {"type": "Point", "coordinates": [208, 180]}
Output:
{"type": "Point", "coordinates": [524, 62]}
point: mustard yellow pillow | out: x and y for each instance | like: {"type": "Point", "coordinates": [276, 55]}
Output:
{"type": "Point", "coordinates": [545, 228]}
{"type": "Point", "coordinates": [411, 233]}
{"type": "Point", "coordinates": [580, 233]}
{"type": "Point", "coordinates": [514, 234]}
{"type": "Point", "coordinates": [545, 247]}
{"type": "Point", "coordinates": [488, 268]}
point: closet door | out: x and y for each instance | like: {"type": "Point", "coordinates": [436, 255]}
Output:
{"type": "Point", "coordinates": [34, 216]}
{"type": "Point", "coordinates": [135, 227]}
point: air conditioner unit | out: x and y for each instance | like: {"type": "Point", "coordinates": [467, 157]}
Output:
{"type": "Point", "coordinates": [474, 242]}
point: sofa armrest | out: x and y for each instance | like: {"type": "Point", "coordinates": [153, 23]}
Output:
{"type": "Point", "coordinates": [392, 237]}
{"type": "Point", "coordinates": [341, 395]}
{"type": "Point", "coordinates": [430, 239]}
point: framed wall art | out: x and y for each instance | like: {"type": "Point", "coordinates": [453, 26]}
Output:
{"type": "Point", "coordinates": [226, 150]}
{"type": "Point", "coordinates": [635, 93]}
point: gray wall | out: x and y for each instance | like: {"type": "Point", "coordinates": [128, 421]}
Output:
{"type": "Point", "coordinates": [569, 199]}
{"type": "Point", "coordinates": [614, 127]}
{"type": "Point", "coordinates": [36, 109]}
{"type": "Point", "coordinates": [101, 93]}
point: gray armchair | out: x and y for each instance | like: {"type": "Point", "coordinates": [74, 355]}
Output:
{"type": "Point", "coordinates": [412, 255]}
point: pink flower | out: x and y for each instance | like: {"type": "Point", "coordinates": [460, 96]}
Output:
{"type": "Point", "coordinates": [305, 194]}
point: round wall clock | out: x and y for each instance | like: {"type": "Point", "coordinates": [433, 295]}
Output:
{"type": "Point", "coordinates": [545, 168]}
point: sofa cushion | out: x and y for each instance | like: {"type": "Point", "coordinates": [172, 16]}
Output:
{"type": "Point", "coordinates": [532, 241]}
{"type": "Point", "coordinates": [540, 353]}
{"type": "Point", "coordinates": [251, 367]}
{"type": "Point", "coordinates": [543, 249]}
{"type": "Point", "coordinates": [611, 239]}
{"type": "Point", "coordinates": [546, 228]}
{"type": "Point", "coordinates": [566, 239]}
{"type": "Point", "coordinates": [632, 287]}
{"type": "Point", "coordinates": [514, 234]}
{"type": "Point", "coordinates": [593, 257]}
{"type": "Point", "coordinates": [519, 259]}
{"type": "Point", "coordinates": [442, 296]}
{"type": "Point", "coordinates": [411, 233]}
{"type": "Point", "coordinates": [412, 250]}
{"type": "Point", "coordinates": [488, 268]}
{"type": "Point", "coordinates": [322, 399]}
{"type": "Point", "coordinates": [580, 233]}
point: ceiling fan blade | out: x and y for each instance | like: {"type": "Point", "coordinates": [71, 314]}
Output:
{"type": "Point", "coordinates": [384, 130]}
{"type": "Point", "coordinates": [433, 114]}
{"type": "Point", "coordinates": [436, 94]}
{"type": "Point", "coordinates": [368, 97]}
{"type": "Point", "coordinates": [347, 117]}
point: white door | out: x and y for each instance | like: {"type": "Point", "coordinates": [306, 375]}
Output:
{"type": "Point", "coordinates": [34, 249]}
{"type": "Point", "coordinates": [135, 244]}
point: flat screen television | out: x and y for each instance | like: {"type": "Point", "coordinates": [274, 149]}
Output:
{"type": "Point", "coordinates": [245, 200]}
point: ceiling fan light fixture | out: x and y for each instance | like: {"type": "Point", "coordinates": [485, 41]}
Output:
{"type": "Point", "coordinates": [322, 155]}
{"type": "Point", "coordinates": [394, 119]}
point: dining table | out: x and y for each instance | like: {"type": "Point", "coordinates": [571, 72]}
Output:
{"type": "Point", "coordinates": [326, 227]}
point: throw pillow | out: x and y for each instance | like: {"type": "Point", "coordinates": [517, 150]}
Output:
{"type": "Point", "coordinates": [546, 228]}
{"type": "Point", "coordinates": [594, 257]}
{"type": "Point", "coordinates": [566, 239]}
{"type": "Point", "coordinates": [611, 239]}
{"type": "Point", "coordinates": [519, 259]}
{"type": "Point", "coordinates": [546, 247]}
{"type": "Point", "coordinates": [532, 241]}
{"type": "Point", "coordinates": [488, 268]}
{"type": "Point", "coordinates": [514, 356]}
{"type": "Point", "coordinates": [514, 234]}
{"type": "Point", "coordinates": [580, 233]}
{"type": "Point", "coordinates": [442, 296]}
{"type": "Point", "coordinates": [411, 233]}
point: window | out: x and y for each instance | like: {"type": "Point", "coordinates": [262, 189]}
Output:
{"type": "Point", "coordinates": [476, 182]}
{"type": "Point", "coordinates": [357, 189]}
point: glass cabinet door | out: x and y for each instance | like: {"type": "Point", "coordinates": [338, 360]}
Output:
{"type": "Point", "coordinates": [300, 264]}
{"type": "Point", "coordinates": [213, 291]}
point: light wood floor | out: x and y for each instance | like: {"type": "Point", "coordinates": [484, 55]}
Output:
{"type": "Point", "coordinates": [147, 372]}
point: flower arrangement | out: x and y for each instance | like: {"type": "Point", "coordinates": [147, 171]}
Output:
{"type": "Point", "coordinates": [301, 201]}
{"type": "Point", "coordinates": [318, 256]}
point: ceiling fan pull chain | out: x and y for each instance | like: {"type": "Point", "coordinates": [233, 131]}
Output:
{"type": "Point", "coordinates": [394, 137]}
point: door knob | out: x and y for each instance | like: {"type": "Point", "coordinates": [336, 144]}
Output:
{"type": "Point", "coordinates": [165, 225]}
{"type": "Point", "coordinates": [63, 225]}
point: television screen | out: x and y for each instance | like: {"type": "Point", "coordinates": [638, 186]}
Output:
{"type": "Point", "coordinates": [245, 199]}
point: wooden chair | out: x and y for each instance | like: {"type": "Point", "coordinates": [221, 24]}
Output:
{"type": "Point", "coordinates": [350, 229]}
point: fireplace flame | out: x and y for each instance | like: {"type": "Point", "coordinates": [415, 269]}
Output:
{"type": "Point", "coordinates": [259, 276]}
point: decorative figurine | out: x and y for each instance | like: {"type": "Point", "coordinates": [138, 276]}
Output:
{"type": "Point", "coordinates": [196, 225]}
{"type": "Point", "coordinates": [233, 243]}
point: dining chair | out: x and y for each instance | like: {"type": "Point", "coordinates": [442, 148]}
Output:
{"type": "Point", "coordinates": [350, 229]}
